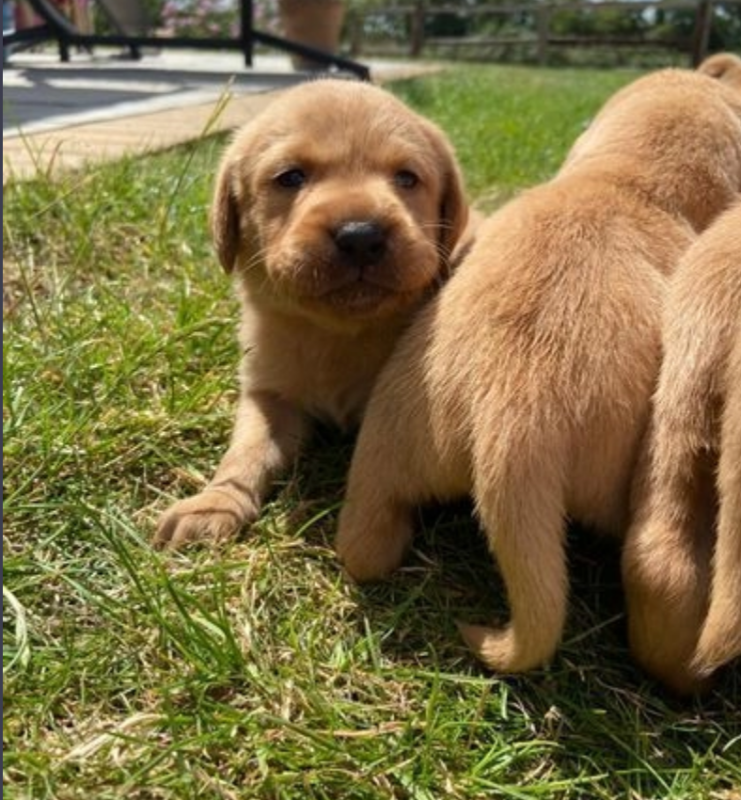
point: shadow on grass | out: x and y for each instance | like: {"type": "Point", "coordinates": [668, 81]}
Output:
{"type": "Point", "coordinates": [605, 715]}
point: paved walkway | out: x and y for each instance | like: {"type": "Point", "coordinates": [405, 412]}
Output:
{"type": "Point", "coordinates": [61, 116]}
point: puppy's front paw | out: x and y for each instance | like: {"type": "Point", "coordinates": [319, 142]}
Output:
{"type": "Point", "coordinates": [210, 517]}
{"type": "Point", "coordinates": [372, 552]}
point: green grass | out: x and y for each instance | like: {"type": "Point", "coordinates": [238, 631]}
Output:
{"type": "Point", "coordinates": [257, 671]}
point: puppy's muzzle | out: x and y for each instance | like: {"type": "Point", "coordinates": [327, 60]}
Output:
{"type": "Point", "coordinates": [360, 243]}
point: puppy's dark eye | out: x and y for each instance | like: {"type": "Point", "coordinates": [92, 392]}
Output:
{"type": "Point", "coordinates": [406, 179]}
{"type": "Point", "coordinates": [291, 179]}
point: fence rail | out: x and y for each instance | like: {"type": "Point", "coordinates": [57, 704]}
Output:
{"type": "Point", "coordinates": [534, 28]}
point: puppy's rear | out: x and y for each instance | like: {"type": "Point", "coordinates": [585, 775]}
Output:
{"type": "Point", "coordinates": [720, 638]}
{"type": "Point", "coordinates": [683, 490]}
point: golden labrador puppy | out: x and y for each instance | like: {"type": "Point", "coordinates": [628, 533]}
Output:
{"type": "Point", "coordinates": [337, 209]}
{"type": "Point", "coordinates": [682, 483]}
{"type": "Point", "coordinates": [526, 381]}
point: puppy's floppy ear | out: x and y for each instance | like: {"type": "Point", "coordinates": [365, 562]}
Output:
{"type": "Point", "coordinates": [724, 67]}
{"type": "Point", "coordinates": [453, 205]}
{"type": "Point", "coordinates": [225, 216]}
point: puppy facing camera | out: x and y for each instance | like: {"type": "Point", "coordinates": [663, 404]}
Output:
{"type": "Point", "coordinates": [337, 210]}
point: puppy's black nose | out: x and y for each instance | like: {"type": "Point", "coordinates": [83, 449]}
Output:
{"type": "Point", "coordinates": [361, 242]}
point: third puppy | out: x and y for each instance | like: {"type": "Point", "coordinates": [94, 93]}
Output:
{"type": "Point", "coordinates": [682, 558]}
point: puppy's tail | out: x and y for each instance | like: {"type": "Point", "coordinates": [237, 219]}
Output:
{"type": "Point", "coordinates": [724, 67]}
{"type": "Point", "coordinates": [494, 647]}
{"type": "Point", "coordinates": [502, 650]}
{"type": "Point", "coordinates": [520, 501]}
{"type": "Point", "coordinates": [720, 639]}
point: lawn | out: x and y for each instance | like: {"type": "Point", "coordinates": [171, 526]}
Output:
{"type": "Point", "coordinates": [258, 671]}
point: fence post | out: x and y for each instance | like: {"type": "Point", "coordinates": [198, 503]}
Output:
{"type": "Point", "coordinates": [543, 23]}
{"type": "Point", "coordinates": [701, 33]}
{"type": "Point", "coordinates": [356, 22]}
{"type": "Point", "coordinates": [417, 29]}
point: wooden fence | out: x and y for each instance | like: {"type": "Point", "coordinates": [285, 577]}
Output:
{"type": "Point", "coordinates": [532, 27]}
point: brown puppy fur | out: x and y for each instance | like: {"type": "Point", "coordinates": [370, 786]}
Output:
{"type": "Point", "coordinates": [720, 639]}
{"type": "Point", "coordinates": [526, 381]}
{"type": "Point", "coordinates": [337, 209]}
{"type": "Point", "coordinates": [697, 414]}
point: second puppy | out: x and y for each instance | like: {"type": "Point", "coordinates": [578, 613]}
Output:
{"type": "Point", "coordinates": [526, 381]}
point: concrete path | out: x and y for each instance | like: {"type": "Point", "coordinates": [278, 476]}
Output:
{"type": "Point", "coordinates": [61, 116]}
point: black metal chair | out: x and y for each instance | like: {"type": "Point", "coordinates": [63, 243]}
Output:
{"type": "Point", "coordinates": [132, 30]}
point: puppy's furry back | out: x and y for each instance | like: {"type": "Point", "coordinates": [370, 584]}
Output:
{"type": "Point", "coordinates": [654, 143]}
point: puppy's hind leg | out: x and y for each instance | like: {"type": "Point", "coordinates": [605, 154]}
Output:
{"type": "Point", "coordinates": [667, 553]}
{"type": "Point", "coordinates": [720, 639]}
{"type": "Point", "coordinates": [375, 527]}
{"type": "Point", "coordinates": [520, 501]}
{"type": "Point", "coordinates": [666, 560]}
{"type": "Point", "coordinates": [395, 468]}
